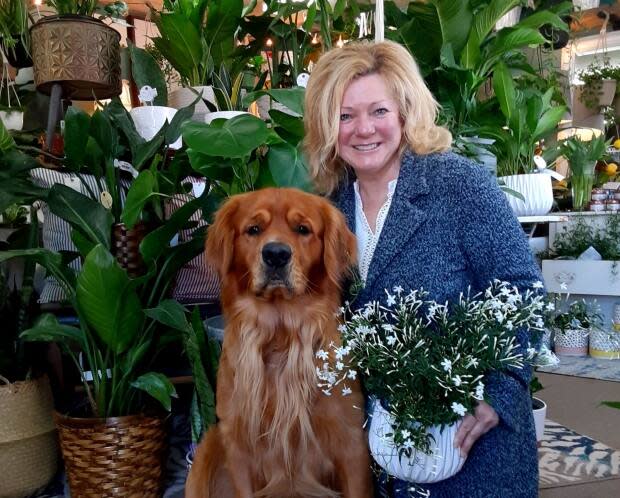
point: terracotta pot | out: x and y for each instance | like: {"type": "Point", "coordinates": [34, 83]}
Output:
{"type": "Point", "coordinates": [117, 456]}
{"type": "Point", "coordinates": [80, 53]}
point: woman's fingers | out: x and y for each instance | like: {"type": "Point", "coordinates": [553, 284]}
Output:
{"type": "Point", "coordinates": [474, 426]}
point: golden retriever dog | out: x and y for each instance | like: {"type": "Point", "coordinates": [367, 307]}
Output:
{"type": "Point", "coordinates": [282, 255]}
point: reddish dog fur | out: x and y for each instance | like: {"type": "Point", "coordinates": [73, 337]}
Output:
{"type": "Point", "coordinates": [282, 255]}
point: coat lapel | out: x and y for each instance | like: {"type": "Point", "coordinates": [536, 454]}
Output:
{"type": "Point", "coordinates": [405, 215]}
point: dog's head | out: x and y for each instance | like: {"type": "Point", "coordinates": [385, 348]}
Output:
{"type": "Point", "coordinates": [280, 242]}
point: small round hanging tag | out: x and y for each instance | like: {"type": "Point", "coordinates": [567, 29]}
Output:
{"type": "Point", "coordinates": [106, 199]}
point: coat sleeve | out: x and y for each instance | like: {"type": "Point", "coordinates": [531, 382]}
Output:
{"type": "Point", "coordinates": [495, 247]}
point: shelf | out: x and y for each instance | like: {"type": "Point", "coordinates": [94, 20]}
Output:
{"type": "Point", "coordinates": [548, 218]}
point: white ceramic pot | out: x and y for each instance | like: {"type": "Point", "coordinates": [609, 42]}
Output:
{"type": "Point", "coordinates": [535, 188]}
{"type": "Point", "coordinates": [150, 118]}
{"type": "Point", "coordinates": [443, 462]}
{"type": "Point", "coordinates": [605, 344]}
{"type": "Point", "coordinates": [539, 409]}
{"type": "Point", "coordinates": [509, 19]}
{"type": "Point", "coordinates": [12, 120]}
{"type": "Point", "coordinates": [572, 342]}
{"type": "Point", "coordinates": [223, 115]}
{"type": "Point", "coordinates": [182, 97]}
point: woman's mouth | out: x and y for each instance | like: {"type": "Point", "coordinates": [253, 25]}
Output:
{"type": "Point", "coordinates": [366, 147]}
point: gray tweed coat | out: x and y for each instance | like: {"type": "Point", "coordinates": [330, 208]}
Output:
{"type": "Point", "coordinates": [449, 227]}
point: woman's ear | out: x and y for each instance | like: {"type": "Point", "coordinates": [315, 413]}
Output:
{"type": "Point", "coordinates": [340, 245]}
{"type": "Point", "coordinates": [221, 237]}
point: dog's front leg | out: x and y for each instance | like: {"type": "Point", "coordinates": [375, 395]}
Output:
{"type": "Point", "coordinates": [239, 468]}
{"type": "Point", "coordinates": [355, 474]}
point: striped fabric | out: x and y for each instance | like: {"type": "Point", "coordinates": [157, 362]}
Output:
{"type": "Point", "coordinates": [56, 231]}
{"type": "Point", "coordinates": [197, 281]}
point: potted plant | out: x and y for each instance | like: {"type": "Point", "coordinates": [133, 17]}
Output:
{"type": "Point", "coordinates": [582, 156]}
{"type": "Point", "coordinates": [14, 36]}
{"type": "Point", "coordinates": [573, 326]}
{"type": "Point", "coordinates": [436, 357]}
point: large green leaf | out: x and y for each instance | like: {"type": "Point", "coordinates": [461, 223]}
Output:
{"type": "Point", "coordinates": [236, 138]}
{"type": "Point", "coordinates": [293, 125]}
{"type": "Point", "coordinates": [512, 39]}
{"type": "Point", "coordinates": [107, 300]}
{"type": "Point", "coordinates": [158, 386]}
{"type": "Point", "coordinates": [146, 71]}
{"type": "Point", "coordinates": [180, 43]}
{"type": "Point", "coordinates": [455, 19]}
{"type": "Point", "coordinates": [146, 151]}
{"type": "Point", "coordinates": [223, 19]}
{"type": "Point", "coordinates": [77, 124]}
{"type": "Point", "coordinates": [170, 313]}
{"type": "Point", "coordinates": [538, 19]}
{"type": "Point", "coordinates": [548, 121]}
{"type": "Point", "coordinates": [48, 329]}
{"type": "Point", "coordinates": [140, 191]}
{"type": "Point", "coordinates": [6, 140]}
{"type": "Point", "coordinates": [293, 98]}
{"type": "Point", "coordinates": [81, 212]}
{"type": "Point", "coordinates": [104, 134]}
{"type": "Point", "coordinates": [50, 260]}
{"type": "Point", "coordinates": [173, 132]}
{"type": "Point", "coordinates": [123, 121]}
{"type": "Point", "coordinates": [612, 404]}
{"type": "Point", "coordinates": [504, 89]}
{"type": "Point", "coordinates": [287, 166]}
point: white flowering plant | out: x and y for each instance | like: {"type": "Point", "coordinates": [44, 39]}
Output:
{"type": "Point", "coordinates": [427, 361]}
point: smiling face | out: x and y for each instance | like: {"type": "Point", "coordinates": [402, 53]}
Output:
{"type": "Point", "coordinates": [370, 131]}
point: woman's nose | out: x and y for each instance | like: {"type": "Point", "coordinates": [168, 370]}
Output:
{"type": "Point", "coordinates": [365, 126]}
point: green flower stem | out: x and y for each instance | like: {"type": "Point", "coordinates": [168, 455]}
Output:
{"type": "Point", "coordinates": [581, 186]}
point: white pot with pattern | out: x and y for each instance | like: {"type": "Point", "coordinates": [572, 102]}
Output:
{"type": "Point", "coordinates": [536, 190]}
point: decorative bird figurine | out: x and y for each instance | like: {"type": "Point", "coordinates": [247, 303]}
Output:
{"type": "Point", "coordinates": [147, 94]}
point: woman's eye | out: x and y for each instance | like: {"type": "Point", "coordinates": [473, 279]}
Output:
{"type": "Point", "coordinates": [303, 230]}
{"type": "Point", "coordinates": [253, 230]}
{"type": "Point", "coordinates": [345, 117]}
{"type": "Point", "coordinates": [381, 111]}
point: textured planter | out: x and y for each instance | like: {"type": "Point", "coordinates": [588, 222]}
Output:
{"type": "Point", "coordinates": [120, 456]}
{"type": "Point", "coordinates": [535, 188]}
{"type": "Point", "coordinates": [28, 443]}
{"type": "Point", "coordinates": [509, 19]}
{"type": "Point", "coordinates": [572, 342]}
{"type": "Point", "coordinates": [605, 344]}
{"type": "Point", "coordinates": [80, 53]}
{"type": "Point", "coordinates": [443, 462]}
{"type": "Point", "coordinates": [599, 278]}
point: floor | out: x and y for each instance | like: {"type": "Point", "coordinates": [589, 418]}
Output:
{"type": "Point", "coordinates": [576, 403]}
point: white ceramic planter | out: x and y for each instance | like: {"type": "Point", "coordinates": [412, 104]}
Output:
{"type": "Point", "coordinates": [12, 120]}
{"type": "Point", "coordinates": [443, 462]}
{"type": "Point", "coordinates": [539, 409]}
{"type": "Point", "coordinates": [535, 188]}
{"type": "Point", "coordinates": [149, 120]}
{"type": "Point", "coordinates": [605, 344]}
{"type": "Point", "coordinates": [599, 278]}
{"type": "Point", "coordinates": [182, 97]}
{"type": "Point", "coordinates": [572, 342]}
{"type": "Point", "coordinates": [509, 19]}
{"type": "Point", "coordinates": [223, 115]}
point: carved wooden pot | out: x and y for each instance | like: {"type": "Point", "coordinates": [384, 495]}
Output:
{"type": "Point", "coordinates": [80, 53]}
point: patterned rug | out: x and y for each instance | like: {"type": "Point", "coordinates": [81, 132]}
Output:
{"type": "Point", "coordinates": [592, 368]}
{"type": "Point", "coordinates": [566, 458]}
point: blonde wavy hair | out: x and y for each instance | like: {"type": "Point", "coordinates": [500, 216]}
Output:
{"type": "Point", "coordinates": [332, 75]}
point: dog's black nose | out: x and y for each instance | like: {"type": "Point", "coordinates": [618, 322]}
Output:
{"type": "Point", "coordinates": [276, 255]}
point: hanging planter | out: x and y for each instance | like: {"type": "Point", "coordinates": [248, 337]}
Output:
{"type": "Point", "coordinates": [79, 53]}
{"type": "Point", "coordinates": [443, 462]}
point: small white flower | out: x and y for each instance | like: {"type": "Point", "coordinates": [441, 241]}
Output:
{"type": "Point", "coordinates": [388, 327]}
{"type": "Point", "coordinates": [322, 354]}
{"type": "Point", "coordinates": [352, 374]}
{"type": "Point", "coordinates": [391, 300]}
{"type": "Point", "coordinates": [405, 433]}
{"type": "Point", "coordinates": [398, 289]}
{"type": "Point", "coordinates": [446, 365]}
{"type": "Point", "coordinates": [408, 444]}
{"type": "Point", "coordinates": [509, 325]}
{"type": "Point", "coordinates": [540, 323]}
{"type": "Point", "coordinates": [563, 286]}
{"type": "Point", "coordinates": [550, 307]}
{"type": "Point", "coordinates": [346, 391]}
{"type": "Point", "coordinates": [458, 408]}
{"type": "Point", "coordinates": [391, 340]}
{"type": "Point", "coordinates": [339, 365]}
{"type": "Point", "coordinates": [538, 285]}
{"type": "Point", "coordinates": [457, 380]}
{"type": "Point", "coordinates": [341, 352]}
{"type": "Point", "coordinates": [342, 328]}
{"type": "Point", "coordinates": [479, 391]}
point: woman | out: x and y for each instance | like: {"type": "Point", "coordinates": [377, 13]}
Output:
{"type": "Point", "coordinates": [424, 218]}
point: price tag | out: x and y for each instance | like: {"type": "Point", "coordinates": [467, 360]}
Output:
{"type": "Point", "coordinates": [106, 199]}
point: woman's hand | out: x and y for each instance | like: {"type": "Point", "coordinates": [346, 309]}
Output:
{"type": "Point", "coordinates": [474, 426]}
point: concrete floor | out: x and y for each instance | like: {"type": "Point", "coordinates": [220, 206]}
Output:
{"type": "Point", "coordinates": [575, 403]}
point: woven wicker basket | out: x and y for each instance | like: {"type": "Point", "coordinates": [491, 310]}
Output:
{"type": "Point", "coordinates": [126, 247]}
{"type": "Point", "coordinates": [113, 457]}
{"type": "Point", "coordinates": [28, 445]}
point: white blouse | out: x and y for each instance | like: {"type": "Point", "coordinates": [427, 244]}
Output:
{"type": "Point", "coordinates": [366, 239]}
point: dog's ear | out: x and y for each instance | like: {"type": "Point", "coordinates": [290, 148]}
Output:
{"type": "Point", "coordinates": [340, 245]}
{"type": "Point", "coordinates": [221, 237]}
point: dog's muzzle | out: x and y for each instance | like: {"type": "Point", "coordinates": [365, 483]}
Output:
{"type": "Point", "coordinates": [276, 255]}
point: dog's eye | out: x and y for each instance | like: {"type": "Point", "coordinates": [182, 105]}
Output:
{"type": "Point", "coordinates": [302, 230]}
{"type": "Point", "coordinates": [253, 230]}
